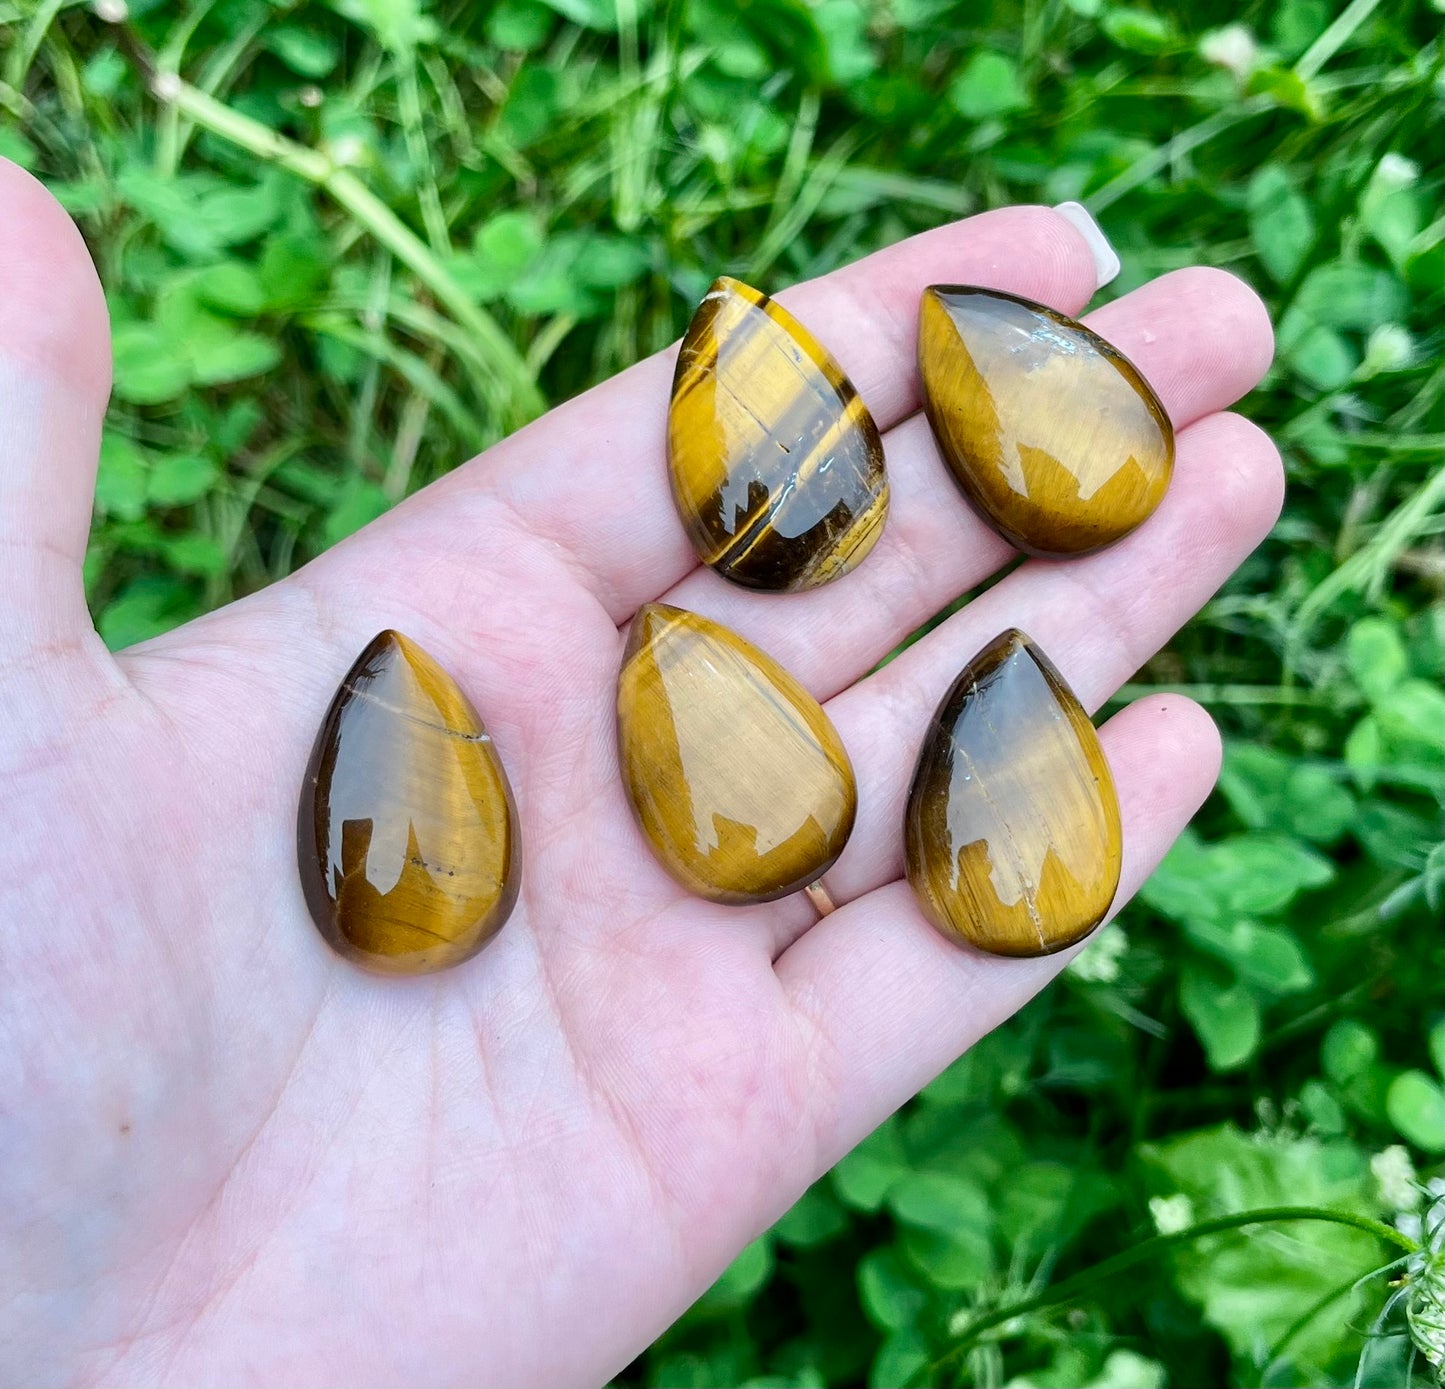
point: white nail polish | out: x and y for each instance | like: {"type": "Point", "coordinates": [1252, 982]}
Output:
{"type": "Point", "coordinates": [1106, 259]}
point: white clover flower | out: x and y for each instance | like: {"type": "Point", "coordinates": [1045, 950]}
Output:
{"type": "Point", "coordinates": [1390, 348]}
{"type": "Point", "coordinates": [310, 97]}
{"type": "Point", "coordinates": [1425, 1303]}
{"type": "Point", "coordinates": [1395, 171]}
{"type": "Point", "coordinates": [1232, 48]}
{"type": "Point", "coordinates": [1395, 1174]}
{"type": "Point", "coordinates": [1171, 1214]}
{"type": "Point", "coordinates": [1270, 1120]}
{"type": "Point", "coordinates": [347, 150]}
{"type": "Point", "coordinates": [1099, 963]}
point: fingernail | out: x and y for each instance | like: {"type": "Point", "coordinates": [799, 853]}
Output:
{"type": "Point", "coordinates": [1106, 259]}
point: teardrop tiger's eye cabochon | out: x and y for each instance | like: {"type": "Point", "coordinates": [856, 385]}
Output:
{"type": "Point", "coordinates": [1054, 436]}
{"type": "Point", "coordinates": [775, 462]}
{"type": "Point", "coordinates": [407, 835]}
{"type": "Point", "coordinates": [738, 779]}
{"type": "Point", "coordinates": [1012, 835]}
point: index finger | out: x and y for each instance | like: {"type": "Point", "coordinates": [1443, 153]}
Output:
{"type": "Point", "coordinates": [591, 477]}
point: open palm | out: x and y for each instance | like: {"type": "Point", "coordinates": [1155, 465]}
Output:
{"type": "Point", "coordinates": [226, 1155]}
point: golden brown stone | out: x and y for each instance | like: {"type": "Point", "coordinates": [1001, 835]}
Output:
{"type": "Point", "coordinates": [1012, 834]}
{"type": "Point", "coordinates": [737, 777]}
{"type": "Point", "coordinates": [1052, 434]}
{"type": "Point", "coordinates": [407, 835]}
{"type": "Point", "coordinates": [776, 464]}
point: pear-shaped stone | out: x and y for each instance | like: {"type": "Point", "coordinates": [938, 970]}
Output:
{"type": "Point", "coordinates": [776, 464]}
{"type": "Point", "coordinates": [407, 834]}
{"type": "Point", "coordinates": [1011, 834]}
{"type": "Point", "coordinates": [1054, 436]}
{"type": "Point", "coordinates": [737, 777]}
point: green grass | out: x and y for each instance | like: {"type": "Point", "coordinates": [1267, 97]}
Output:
{"type": "Point", "coordinates": [355, 244]}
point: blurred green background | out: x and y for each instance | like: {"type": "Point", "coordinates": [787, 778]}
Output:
{"type": "Point", "coordinates": [347, 246]}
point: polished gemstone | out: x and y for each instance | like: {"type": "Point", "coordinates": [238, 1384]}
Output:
{"type": "Point", "coordinates": [407, 834]}
{"type": "Point", "coordinates": [1011, 832]}
{"type": "Point", "coordinates": [776, 464]}
{"type": "Point", "coordinates": [736, 775]}
{"type": "Point", "coordinates": [1054, 436]}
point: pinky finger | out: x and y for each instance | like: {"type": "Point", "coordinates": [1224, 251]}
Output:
{"type": "Point", "coordinates": [886, 1003]}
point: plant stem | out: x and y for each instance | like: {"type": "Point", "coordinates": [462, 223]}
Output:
{"type": "Point", "coordinates": [1309, 1314]}
{"type": "Point", "coordinates": [1402, 528]}
{"type": "Point", "coordinates": [1223, 694]}
{"type": "Point", "coordinates": [1156, 160]}
{"type": "Point", "coordinates": [523, 401]}
{"type": "Point", "coordinates": [1334, 38]}
{"type": "Point", "coordinates": [23, 54]}
{"type": "Point", "coordinates": [1151, 1248]}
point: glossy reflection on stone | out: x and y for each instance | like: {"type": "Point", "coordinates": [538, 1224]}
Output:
{"type": "Point", "coordinates": [1054, 436]}
{"type": "Point", "coordinates": [1011, 833]}
{"type": "Point", "coordinates": [776, 464]}
{"type": "Point", "coordinates": [407, 834]}
{"type": "Point", "coordinates": [738, 779]}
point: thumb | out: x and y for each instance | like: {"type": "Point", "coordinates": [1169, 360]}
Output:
{"type": "Point", "coordinates": [54, 381]}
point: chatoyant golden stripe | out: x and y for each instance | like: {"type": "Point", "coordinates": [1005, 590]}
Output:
{"type": "Point", "coordinates": [736, 775]}
{"type": "Point", "coordinates": [1012, 835]}
{"type": "Point", "coordinates": [775, 463]}
{"type": "Point", "coordinates": [1053, 435]}
{"type": "Point", "coordinates": [407, 836]}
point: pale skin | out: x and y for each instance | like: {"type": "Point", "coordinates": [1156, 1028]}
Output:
{"type": "Point", "coordinates": [228, 1156]}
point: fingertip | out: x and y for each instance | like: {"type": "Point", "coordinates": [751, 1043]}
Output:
{"type": "Point", "coordinates": [1106, 258]}
{"type": "Point", "coordinates": [53, 317]}
{"type": "Point", "coordinates": [1237, 477]}
{"type": "Point", "coordinates": [1063, 266]}
{"type": "Point", "coordinates": [1245, 311]}
{"type": "Point", "coordinates": [1242, 322]}
{"type": "Point", "coordinates": [1256, 480]}
{"type": "Point", "coordinates": [1165, 753]}
{"type": "Point", "coordinates": [1183, 731]}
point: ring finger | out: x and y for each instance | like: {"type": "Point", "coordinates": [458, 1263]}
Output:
{"type": "Point", "coordinates": [1098, 618]}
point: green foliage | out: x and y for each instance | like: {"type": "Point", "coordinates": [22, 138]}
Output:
{"type": "Point", "coordinates": [482, 207]}
{"type": "Point", "coordinates": [1255, 1289]}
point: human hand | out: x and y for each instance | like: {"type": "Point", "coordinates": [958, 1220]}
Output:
{"type": "Point", "coordinates": [227, 1155]}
